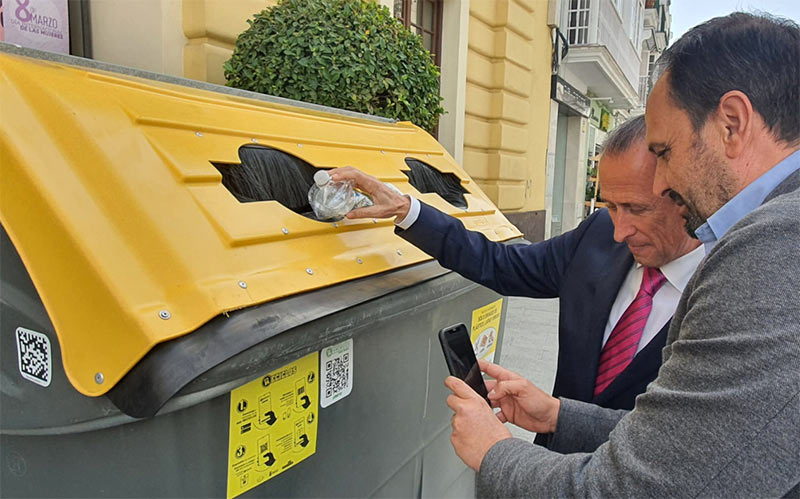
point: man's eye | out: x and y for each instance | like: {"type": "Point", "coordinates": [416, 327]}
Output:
{"type": "Point", "coordinates": [663, 153]}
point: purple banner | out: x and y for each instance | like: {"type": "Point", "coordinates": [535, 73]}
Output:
{"type": "Point", "coordinates": [38, 24]}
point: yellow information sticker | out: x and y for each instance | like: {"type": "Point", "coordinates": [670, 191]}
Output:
{"type": "Point", "coordinates": [273, 424]}
{"type": "Point", "coordinates": [485, 328]}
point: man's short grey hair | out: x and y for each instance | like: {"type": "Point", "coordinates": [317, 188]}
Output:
{"type": "Point", "coordinates": [625, 136]}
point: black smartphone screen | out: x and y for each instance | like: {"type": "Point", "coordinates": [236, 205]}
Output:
{"type": "Point", "coordinates": [460, 358]}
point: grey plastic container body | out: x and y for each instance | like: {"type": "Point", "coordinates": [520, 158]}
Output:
{"type": "Point", "coordinates": [388, 438]}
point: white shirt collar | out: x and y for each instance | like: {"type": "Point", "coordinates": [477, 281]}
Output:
{"type": "Point", "coordinates": [679, 271]}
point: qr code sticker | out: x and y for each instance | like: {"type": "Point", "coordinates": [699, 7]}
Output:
{"type": "Point", "coordinates": [336, 373]}
{"type": "Point", "coordinates": [337, 368]}
{"type": "Point", "coordinates": [35, 356]}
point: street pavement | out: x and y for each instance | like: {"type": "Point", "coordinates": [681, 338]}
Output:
{"type": "Point", "coordinates": [530, 344]}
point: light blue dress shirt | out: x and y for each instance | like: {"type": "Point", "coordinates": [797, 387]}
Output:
{"type": "Point", "coordinates": [745, 201]}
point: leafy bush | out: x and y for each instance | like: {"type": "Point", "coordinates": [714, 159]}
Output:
{"type": "Point", "coordinates": [348, 54]}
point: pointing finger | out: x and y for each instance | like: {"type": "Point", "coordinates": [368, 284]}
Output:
{"type": "Point", "coordinates": [512, 388]}
{"type": "Point", "coordinates": [497, 372]}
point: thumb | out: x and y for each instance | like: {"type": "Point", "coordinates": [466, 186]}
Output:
{"type": "Point", "coordinates": [459, 388]}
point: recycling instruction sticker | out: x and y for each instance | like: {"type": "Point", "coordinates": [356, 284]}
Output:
{"type": "Point", "coordinates": [485, 329]}
{"type": "Point", "coordinates": [273, 424]}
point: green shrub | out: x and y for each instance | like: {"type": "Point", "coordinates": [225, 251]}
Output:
{"type": "Point", "coordinates": [348, 54]}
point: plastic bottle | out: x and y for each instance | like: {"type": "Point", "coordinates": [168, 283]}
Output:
{"type": "Point", "coordinates": [331, 201]}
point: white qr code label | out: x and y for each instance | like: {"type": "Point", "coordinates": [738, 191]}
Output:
{"type": "Point", "coordinates": [35, 356]}
{"type": "Point", "coordinates": [336, 372]}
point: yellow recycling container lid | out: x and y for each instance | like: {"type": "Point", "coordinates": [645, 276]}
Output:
{"type": "Point", "coordinates": [113, 197]}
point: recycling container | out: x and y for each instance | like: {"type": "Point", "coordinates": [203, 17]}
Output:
{"type": "Point", "coordinates": [175, 323]}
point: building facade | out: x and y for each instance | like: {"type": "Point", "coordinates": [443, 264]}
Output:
{"type": "Point", "coordinates": [656, 35]}
{"type": "Point", "coordinates": [601, 48]}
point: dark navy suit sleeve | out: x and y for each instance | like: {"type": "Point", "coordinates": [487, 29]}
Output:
{"type": "Point", "coordinates": [533, 270]}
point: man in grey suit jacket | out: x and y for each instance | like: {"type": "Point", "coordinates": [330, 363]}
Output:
{"type": "Point", "coordinates": [722, 419]}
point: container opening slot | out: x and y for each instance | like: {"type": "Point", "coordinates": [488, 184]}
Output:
{"type": "Point", "coordinates": [427, 179]}
{"type": "Point", "coordinates": [267, 174]}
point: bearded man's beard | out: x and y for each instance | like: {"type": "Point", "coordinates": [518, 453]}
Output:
{"type": "Point", "coordinates": [693, 220]}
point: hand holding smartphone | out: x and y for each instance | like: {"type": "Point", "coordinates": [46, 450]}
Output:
{"type": "Point", "coordinates": [460, 358]}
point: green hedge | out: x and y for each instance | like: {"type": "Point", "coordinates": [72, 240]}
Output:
{"type": "Point", "coordinates": [348, 54]}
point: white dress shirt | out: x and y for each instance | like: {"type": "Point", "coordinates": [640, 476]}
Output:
{"type": "Point", "coordinates": [678, 272]}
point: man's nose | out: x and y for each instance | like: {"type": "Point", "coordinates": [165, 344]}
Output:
{"type": "Point", "coordinates": [660, 185]}
{"type": "Point", "coordinates": [622, 228]}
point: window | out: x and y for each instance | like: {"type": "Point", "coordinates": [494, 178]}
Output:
{"type": "Point", "coordinates": [423, 17]}
{"type": "Point", "coordinates": [636, 26]}
{"type": "Point", "coordinates": [644, 81]}
{"type": "Point", "coordinates": [578, 22]}
{"type": "Point", "coordinates": [651, 63]}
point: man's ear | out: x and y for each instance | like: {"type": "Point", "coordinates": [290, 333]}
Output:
{"type": "Point", "coordinates": [736, 122]}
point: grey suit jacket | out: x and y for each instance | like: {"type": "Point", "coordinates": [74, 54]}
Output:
{"type": "Point", "coordinates": [722, 419]}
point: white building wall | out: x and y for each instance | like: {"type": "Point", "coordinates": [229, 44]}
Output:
{"type": "Point", "coordinates": [550, 171]}
{"type": "Point", "coordinates": [613, 33]}
{"type": "Point", "coordinates": [575, 173]}
{"type": "Point", "coordinates": [455, 33]}
{"type": "Point", "coordinates": [142, 34]}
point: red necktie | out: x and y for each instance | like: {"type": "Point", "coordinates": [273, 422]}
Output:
{"type": "Point", "coordinates": [621, 346]}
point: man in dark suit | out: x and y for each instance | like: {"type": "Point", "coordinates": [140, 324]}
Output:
{"type": "Point", "coordinates": [605, 357]}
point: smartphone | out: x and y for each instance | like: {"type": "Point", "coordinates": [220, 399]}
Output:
{"type": "Point", "coordinates": [460, 358]}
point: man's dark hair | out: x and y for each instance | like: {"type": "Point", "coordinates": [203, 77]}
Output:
{"type": "Point", "coordinates": [757, 54]}
{"type": "Point", "coordinates": [624, 136]}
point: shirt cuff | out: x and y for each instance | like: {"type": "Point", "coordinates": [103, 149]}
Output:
{"type": "Point", "coordinates": [411, 217]}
